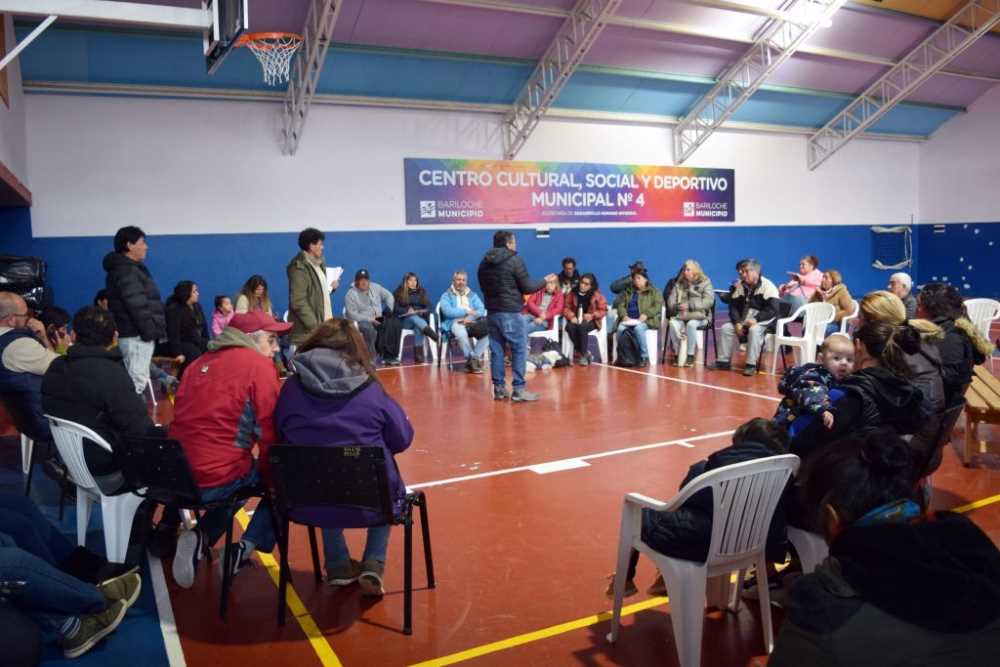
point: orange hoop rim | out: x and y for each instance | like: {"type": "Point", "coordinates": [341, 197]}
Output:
{"type": "Point", "coordinates": [257, 39]}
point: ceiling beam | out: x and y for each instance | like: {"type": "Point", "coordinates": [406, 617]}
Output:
{"type": "Point", "coordinates": [693, 31]}
{"type": "Point", "coordinates": [123, 13]}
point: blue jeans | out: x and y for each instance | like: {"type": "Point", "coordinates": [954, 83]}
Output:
{"type": "Point", "coordinates": [639, 330]}
{"type": "Point", "coordinates": [508, 328]}
{"type": "Point", "coordinates": [529, 324]}
{"type": "Point", "coordinates": [459, 332]}
{"type": "Point", "coordinates": [137, 354]}
{"type": "Point", "coordinates": [21, 520]}
{"type": "Point", "coordinates": [832, 328]}
{"type": "Point", "coordinates": [795, 300]}
{"type": "Point", "coordinates": [335, 546]}
{"type": "Point", "coordinates": [416, 324]}
{"type": "Point", "coordinates": [213, 525]}
{"type": "Point", "coordinates": [690, 328]}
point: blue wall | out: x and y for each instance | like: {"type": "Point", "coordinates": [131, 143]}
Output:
{"type": "Point", "coordinates": [220, 263]}
{"type": "Point", "coordinates": [966, 255]}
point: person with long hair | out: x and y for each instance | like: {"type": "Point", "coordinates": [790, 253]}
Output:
{"type": "Point", "coordinates": [413, 310]}
{"type": "Point", "coordinates": [639, 308]}
{"type": "Point", "coordinates": [335, 398]}
{"type": "Point", "coordinates": [187, 330]}
{"type": "Point", "coordinates": [689, 301]}
{"type": "Point", "coordinates": [584, 309]}
{"type": "Point", "coordinates": [254, 296]}
{"type": "Point", "coordinates": [963, 346]}
{"type": "Point", "coordinates": [919, 589]}
{"type": "Point", "coordinates": [833, 291]}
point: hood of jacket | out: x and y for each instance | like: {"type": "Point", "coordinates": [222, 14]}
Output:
{"type": "Point", "coordinates": [498, 255]}
{"type": "Point", "coordinates": [895, 397]}
{"type": "Point", "coordinates": [941, 573]}
{"type": "Point", "coordinates": [115, 261]}
{"type": "Point", "coordinates": [231, 337]}
{"type": "Point", "coordinates": [327, 374]}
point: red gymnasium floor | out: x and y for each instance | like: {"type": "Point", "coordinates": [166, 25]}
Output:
{"type": "Point", "coordinates": [521, 553]}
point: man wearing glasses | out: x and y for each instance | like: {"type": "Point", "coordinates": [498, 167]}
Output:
{"type": "Point", "coordinates": [25, 355]}
{"type": "Point", "coordinates": [225, 406]}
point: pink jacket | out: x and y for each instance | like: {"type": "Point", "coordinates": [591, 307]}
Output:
{"type": "Point", "coordinates": [220, 321]}
{"type": "Point", "coordinates": [805, 287]}
{"type": "Point", "coordinates": [534, 302]}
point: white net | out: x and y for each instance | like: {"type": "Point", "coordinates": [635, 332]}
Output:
{"type": "Point", "coordinates": [275, 55]}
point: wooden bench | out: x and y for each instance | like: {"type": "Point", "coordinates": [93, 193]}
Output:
{"type": "Point", "coordinates": [982, 407]}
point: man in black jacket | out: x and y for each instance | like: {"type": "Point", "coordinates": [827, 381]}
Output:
{"type": "Point", "coordinates": [134, 300]}
{"type": "Point", "coordinates": [753, 304]}
{"type": "Point", "coordinates": [504, 280]}
{"type": "Point", "coordinates": [90, 386]}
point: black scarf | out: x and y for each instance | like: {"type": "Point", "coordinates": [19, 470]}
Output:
{"type": "Point", "coordinates": [583, 300]}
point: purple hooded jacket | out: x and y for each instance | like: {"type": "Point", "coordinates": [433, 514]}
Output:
{"type": "Point", "coordinates": [332, 402]}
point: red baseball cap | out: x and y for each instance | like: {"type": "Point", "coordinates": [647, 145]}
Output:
{"type": "Point", "coordinates": [258, 320]}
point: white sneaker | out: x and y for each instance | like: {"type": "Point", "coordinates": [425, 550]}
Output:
{"type": "Point", "coordinates": [186, 557]}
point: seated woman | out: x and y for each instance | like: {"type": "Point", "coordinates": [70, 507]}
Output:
{"type": "Point", "coordinates": [587, 299]}
{"type": "Point", "coordinates": [801, 286]}
{"type": "Point", "coordinates": [187, 330]}
{"type": "Point", "coordinates": [335, 398]}
{"type": "Point", "coordinates": [542, 307]}
{"type": "Point", "coordinates": [253, 296]}
{"type": "Point", "coordinates": [963, 346]}
{"type": "Point", "coordinates": [898, 586]}
{"type": "Point", "coordinates": [639, 308]}
{"type": "Point", "coordinates": [833, 291]}
{"type": "Point", "coordinates": [413, 310]}
{"type": "Point", "coordinates": [689, 301]}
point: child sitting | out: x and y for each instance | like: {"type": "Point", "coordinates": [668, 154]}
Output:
{"type": "Point", "coordinates": [222, 314]}
{"type": "Point", "coordinates": [806, 388]}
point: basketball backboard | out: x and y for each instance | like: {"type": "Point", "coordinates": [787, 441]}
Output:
{"type": "Point", "coordinates": [229, 19]}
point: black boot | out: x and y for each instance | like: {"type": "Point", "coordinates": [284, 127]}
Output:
{"type": "Point", "coordinates": [418, 355]}
{"type": "Point", "coordinates": [430, 333]}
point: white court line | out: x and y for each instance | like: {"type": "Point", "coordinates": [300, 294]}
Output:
{"type": "Point", "coordinates": [692, 382]}
{"type": "Point", "coordinates": [171, 640]}
{"type": "Point", "coordinates": [685, 442]}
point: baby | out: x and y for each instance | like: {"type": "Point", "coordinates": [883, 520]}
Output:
{"type": "Point", "coordinates": [806, 388]}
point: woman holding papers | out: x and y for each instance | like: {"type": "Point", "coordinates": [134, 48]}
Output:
{"type": "Point", "coordinates": [413, 310]}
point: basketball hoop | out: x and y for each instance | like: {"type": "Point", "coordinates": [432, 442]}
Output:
{"type": "Point", "coordinates": [274, 50]}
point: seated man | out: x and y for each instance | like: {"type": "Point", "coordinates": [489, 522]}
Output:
{"type": "Point", "coordinates": [462, 310]}
{"type": "Point", "coordinates": [753, 304]}
{"type": "Point", "coordinates": [901, 284]}
{"type": "Point", "coordinates": [90, 386]}
{"type": "Point", "coordinates": [542, 307]}
{"type": "Point", "coordinates": [224, 407]}
{"type": "Point", "coordinates": [367, 303]}
{"type": "Point", "coordinates": [25, 355]}
{"type": "Point", "coordinates": [56, 323]}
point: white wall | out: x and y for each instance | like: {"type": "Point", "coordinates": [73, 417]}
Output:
{"type": "Point", "coordinates": [196, 166]}
{"type": "Point", "coordinates": [960, 166]}
{"type": "Point", "coordinates": [13, 147]}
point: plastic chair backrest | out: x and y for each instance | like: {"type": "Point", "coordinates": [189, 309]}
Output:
{"type": "Point", "coordinates": [982, 312]}
{"type": "Point", "coordinates": [846, 322]}
{"type": "Point", "coordinates": [311, 476]}
{"type": "Point", "coordinates": [69, 437]}
{"type": "Point", "coordinates": [817, 316]}
{"type": "Point", "coordinates": [160, 466]}
{"type": "Point", "coordinates": [744, 497]}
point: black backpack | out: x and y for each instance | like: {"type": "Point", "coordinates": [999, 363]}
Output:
{"type": "Point", "coordinates": [553, 346]}
{"type": "Point", "coordinates": [628, 349]}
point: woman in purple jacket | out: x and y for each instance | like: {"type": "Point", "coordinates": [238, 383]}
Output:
{"type": "Point", "coordinates": [335, 399]}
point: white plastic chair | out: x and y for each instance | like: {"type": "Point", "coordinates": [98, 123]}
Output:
{"type": "Point", "coordinates": [552, 333]}
{"type": "Point", "coordinates": [816, 317]}
{"type": "Point", "coordinates": [27, 447]}
{"type": "Point", "coordinates": [812, 548]}
{"type": "Point", "coordinates": [845, 324]}
{"type": "Point", "coordinates": [117, 511]}
{"type": "Point", "coordinates": [152, 392]}
{"type": "Point", "coordinates": [427, 342]}
{"type": "Point", "coordinates": [652, 339]}
{"type": "Point", "coordinates": [446, 339]}
{"type": "Point", "coordinates": [744, 497]}
{"type": "Point", "coordinates": [600, 334]}
{"type": "Point", "coordinates": [982, 313]}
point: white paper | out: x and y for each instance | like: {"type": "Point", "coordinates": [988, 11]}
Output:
{"type": "Point", "coordinates": [630, 322]}
{"type": "Point", "coordinates": [333, 273]}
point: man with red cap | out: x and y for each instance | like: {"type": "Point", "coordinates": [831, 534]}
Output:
{"type": "Point", "coordinates": [224, 407]}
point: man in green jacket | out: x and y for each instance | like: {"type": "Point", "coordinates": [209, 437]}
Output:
{"type": "Point", "coordinates": [308, 291]}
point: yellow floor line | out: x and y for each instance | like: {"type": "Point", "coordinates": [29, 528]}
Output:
{"type": "Point", "coordinates": [316, 638]}
{"type": "Point", "coordinates": [977, 504]}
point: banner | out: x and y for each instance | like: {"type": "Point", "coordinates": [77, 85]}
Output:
{"type": "Point", "coordinates": [440, 192]}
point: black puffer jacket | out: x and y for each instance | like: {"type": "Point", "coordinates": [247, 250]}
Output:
{"type": "Point", "coordinates": [926, 374]}
{"type": "Point", "coordinates": [186, 328]}
{"type": "Point", "coordinates": [925, 594]}
{"type": "Point", "coordinates": [959, 357]}
{"type": "Point", "coordinates": [90, 386]}
{"type": "Point", "coordinates": [134, 299]}
{"type": "Point", "coordinates": [504, 280]}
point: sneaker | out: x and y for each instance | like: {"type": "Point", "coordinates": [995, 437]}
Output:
{"type": "Point", "coordinates": [473, 366]}
{"type": "Point", "coordinates": [658, 587]}
{"type": "Point", "coordinates": [370, 578]}
{"type": "Point", "coordinates": [343, 574]}
{"type": "Point", "coordinates": [500, 393]}
{"type": "Point", "coordinates": [583, 361]}
{"type": "Point", "coordinates": [676, 361]}
{"type": "Point", "coordinates": [186, 557]}
{"type": "Point", "coordinates": [126, 587]}
{"type": "Point", "coordinates": [393, 362]}
{"type": "Point", "coordinates": [240, 559]}
{"type": "Point", "coordinates": [93, 628]}
{"type": "Point", "coordinates": [749, 370]}
{"type": "Point", "coordinates": [523, 396]}
{"type": "Point", "coordinates": [690, 362]}
{"type": "Point", "coordinates": [643, 363]}
{"type": "Point", "coordinates": [630, 588]}
{"type": "Point", "coordinates": [720, 366]}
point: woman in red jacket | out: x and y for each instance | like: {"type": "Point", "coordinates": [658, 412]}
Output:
{"type": "Point", "coordinates": [542, 307]}
{"type": "Point", "coordinates": [584, 310]}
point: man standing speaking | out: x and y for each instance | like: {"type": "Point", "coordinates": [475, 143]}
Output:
{"type": "Point", "coordinates": [504, 280]}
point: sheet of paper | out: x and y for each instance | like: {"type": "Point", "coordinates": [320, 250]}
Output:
{"type": "Point", "coordinates": [629, 322]}
{"type": "Point", "coordinates": [333, 273]}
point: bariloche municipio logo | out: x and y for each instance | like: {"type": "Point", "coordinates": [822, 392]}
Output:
{"type": "Point", "coordinates": [689, 208]}
{"type": "Point", "coordinates": [428, 209]}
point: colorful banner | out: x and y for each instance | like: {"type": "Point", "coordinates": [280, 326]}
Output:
{"type": "Point", "coordinates": [440, 192]}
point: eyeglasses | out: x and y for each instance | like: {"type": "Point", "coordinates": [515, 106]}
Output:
{"type": "Point", "coordinates": [26, 313]}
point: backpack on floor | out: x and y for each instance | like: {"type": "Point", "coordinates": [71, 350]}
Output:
{"type": "Point", "coordinates": [552, 350]}
{"type": "Point", "coordinates": [628, 349]}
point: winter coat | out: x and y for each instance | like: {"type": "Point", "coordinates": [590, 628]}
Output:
{"type": "Point", "coordinates": [762, 297]}
{"type": "Point", "coordinates": [367, 305]}
{"type": "Point", "coordinates": [959, 357]}
{"type": "Point", "coordinates": [838, 297]}
{"type": "Point", "coordinates": [220, 321]}
{"type": "Point", "coordinates": [533, 306]}
{"type": "Point", "coordinates": [806, 287]}
{"type": "Point", "coordinates": [411, 298]}
{"type": "Point", "coordinates": [650, 305]}
{"type": "Point", "coordinates": [21, 391]}
{"type": "Point", "coordinates": [306, 296]}
{"type": "Point", "coordinates": [330, 402]}
{"type": "Point", "coordinates": [224, 406]}
{"type": "Point", "coordinates": [90, 386]}
{"type": "Point", "coordinates": [598, 307]}
{"type": "Point", "coordinates": [686, 532]}
{"type": "Point", "coordinates": [925, 594]}
{"type": "Point", "coordinates": [806, 391]}
{"type": "Point", "coordinates": [134, 299]}
{"type": "Point", "coordinates": [504, 279]}
{"type": "Point", "coordinates": [452, 312]}
{"type": "Point", "coordinates": [185, 325]}
{"type": "Point", "coordinates": [698, 296]}
{"type": "Point", "coordinates": [910, 303]}
{"type": "Point", "coordinates": [926, 374]}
